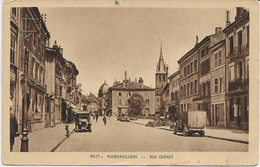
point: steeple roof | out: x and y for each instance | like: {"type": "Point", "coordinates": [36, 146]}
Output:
{"type": "Point", "coordinates": [161, 67]}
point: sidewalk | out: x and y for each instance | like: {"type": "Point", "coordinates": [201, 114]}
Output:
{"type": "Point", "coordinates": [235, 135]}
{"type": "Point", "coordinates": [44, 140]}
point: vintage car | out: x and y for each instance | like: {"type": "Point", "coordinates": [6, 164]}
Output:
{"type": "Point", "coordinates": [83, 122]}
{"type": "Point", "coordinates": [190, 122]}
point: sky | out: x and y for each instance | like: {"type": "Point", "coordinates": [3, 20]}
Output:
{"type": "Point", "coordinates": [104, 42]}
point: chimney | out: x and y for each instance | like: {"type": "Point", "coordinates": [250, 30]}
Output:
{"type": "Point", "coordinates": [55, 46]}
{"type": "Point", "coordinates": [141, 81]}
{"type": "Point", "coordinates": [197, 39]}
{"type": "Point", "coordinates": [124, 84]}
{"type": "Point", "coordinates": [239, 12]}
{"type": "Point", "coordinates": [125, 75]}
{"type": "Point", "coordinates": [218, 30]}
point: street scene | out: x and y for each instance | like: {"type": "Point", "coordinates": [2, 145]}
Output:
{"type": "Point", "coordinates": [129, 80]}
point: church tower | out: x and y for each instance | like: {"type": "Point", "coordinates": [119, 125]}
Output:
{"type": "Point", "coordinates": [161, 72]}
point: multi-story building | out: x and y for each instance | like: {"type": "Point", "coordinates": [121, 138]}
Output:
{"type": "Point", "coordinates": [174, 95]}
{"type": "Point", "coordinates": [29, 36]}
{"type": "Point", "coordinates": [164, 100]}
{"type": "Point", "coordinates": [121, 92]}
{"type": "Point", "coordinates": [237, 70]}
{"type": "Point", "coordinates": [189, 79]}
{"type": "Point", "coordinates": [56, 80]}
{"type": "Point", "coordinates": [14, 61]}
{"type": "Point", "coordinates": [160, 82]}
{"type": "Point", "coordinates": [217, 79]}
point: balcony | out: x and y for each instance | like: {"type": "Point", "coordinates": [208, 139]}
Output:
{"type": "Point", "coordinates": [238, 84]}
{"type": "Point", "coordinates": [239, 51]}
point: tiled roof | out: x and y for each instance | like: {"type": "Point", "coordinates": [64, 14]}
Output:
{"type": "Point", "coordinates": [131, 86]}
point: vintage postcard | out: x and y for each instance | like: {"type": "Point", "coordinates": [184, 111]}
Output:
{"type": "Point", "coordinates": [130, 82]}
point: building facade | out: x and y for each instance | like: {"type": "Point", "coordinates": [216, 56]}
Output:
{"type": "Point", "coordinates": [121, 92]}
{"type": "Point", "coordinates": [218, 79]}
{"type": "Point", "coordinates": [174, 95]}
{"type": "Point", "coordinates": [29, 36]}
{"type": "Point", "coordinates": [189, 80]}
{"type": "Point", "coordinates": [237, 70]}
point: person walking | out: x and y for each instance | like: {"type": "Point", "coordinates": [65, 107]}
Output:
{"type": "Point", "coordinates": [13, 128]}
{"type": "Point", "coordinates": [105, 119]}
{"type": "Point", "coordinates": [96, 117]}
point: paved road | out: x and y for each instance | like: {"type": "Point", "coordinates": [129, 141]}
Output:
{"type": "Point", "coordinates": [129, 137]}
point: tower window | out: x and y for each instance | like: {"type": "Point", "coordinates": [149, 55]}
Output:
{"type": "Point", "coordinates": [163, 78]}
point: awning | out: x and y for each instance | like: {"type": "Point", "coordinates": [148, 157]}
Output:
{"type": "Point", "coordinates": [72, 106]}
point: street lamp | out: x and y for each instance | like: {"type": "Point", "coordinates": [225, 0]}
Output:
{"type": "Point", "coordinates": [25, 106]}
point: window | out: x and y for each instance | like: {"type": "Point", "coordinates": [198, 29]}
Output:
{"type": "Point", "coordinates": [188, 106]}
{"type": "Point", "coordinates": [184, 71]}
{"type": "Point", "coordinates": [163, 78]}
{"type": "Point", "coordinates": [12, 48]}
{"type": "Point", "coordinates": [158, 99]}
{"type": "Point", "coordinates": [160, 79]}
{"type": "Point", "coordinates": [231, 45]}
{"type": "Point", "coordinates": [205, 67]}
{"type": "Point", "coordinates": [191, 88]}
{"type": "Point", "coordinates": [191, 64]}
{"type": "Point", "coordinates": [195, 86]}
{"type": "Point", "coordinates": [188, 89]}
{"type": "Point", "coordinates": [195, 64]}
{"type": "Point", "coordinates": [184, 93]}
{"type": "Point", "coordinates": [218, 59]}
{"type": "Point", "coordinates": [60, 90]}
{"type": "Point", "coordinates": [207, 50]}
{"type": "Point", "coordinates": [231, 73]}
{"type": "Point", "coordinates": [220, 85]}
{"type": "Point", "coordinates": [128, 94]}
{"type": "Point", "coordinates": [240, 69]}
{"type": "Point", "coordinates": [119, 102]}
{"type": "Point", "coordinates": [202, 53]}
{"type": "Point", "coordinates": [239, 41]}
{"type": "Point", "coordinates": [147, 102]}
{"type": "Point", "coordinates": [119, 94]}
{"type": "Point", "coordinates": [34, 38]}
{"type": "Point", "coordinates": [14, 11]}
{"type": "Point", "coordinates": [216, 85]}
{"type": "Point", "coordinates": [172, 96]}
{"type": "Point", "coordinates": [188, 69]}
{"type": "Point", "coordinates": [39, 44]}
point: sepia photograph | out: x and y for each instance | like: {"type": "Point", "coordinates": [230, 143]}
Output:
{"type": "Point", "coordinates": [126, 83]}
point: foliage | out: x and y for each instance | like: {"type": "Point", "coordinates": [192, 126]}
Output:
{"type": "Point", "coordinates": [136, 104]}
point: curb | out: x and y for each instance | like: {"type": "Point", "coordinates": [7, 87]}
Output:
{"type": "Point", "coordinates": [57, 145]}
{"type": "Point", "coordinates": [213, 137]}
{"type": "Point", "coordinates": [233, 140]}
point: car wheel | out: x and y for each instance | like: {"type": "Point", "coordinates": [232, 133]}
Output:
{"type": "Point", "coordinates": [174, 130]}
{"type": "Point", "coordinates": [185, 131]}
{"type": "Point", "coordinates": [202, 133]}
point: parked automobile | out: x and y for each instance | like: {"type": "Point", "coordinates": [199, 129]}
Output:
{"type": "Point", "coordinates": [190, 122]}
{"type": "Point", "coordinates": [82, 122]}
{"type": "Point", "coordinates": [123, 117]}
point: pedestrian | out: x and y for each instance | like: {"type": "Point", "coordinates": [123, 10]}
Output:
{"type": "Point", "coordinates": [13, 128]}
{"type": "Point", "coordinates": [105, 119]}
{"type": "Point", "coordinates": [96, 117]}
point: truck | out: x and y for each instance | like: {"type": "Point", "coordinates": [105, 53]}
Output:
{"type": "Point", "coordinates": [190, 122]}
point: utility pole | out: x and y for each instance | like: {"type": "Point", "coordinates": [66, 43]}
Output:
{"type": "Point", "coordinates": [26, 103]}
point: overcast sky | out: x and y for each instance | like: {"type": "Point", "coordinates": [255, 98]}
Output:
{"type": "Point", "coordinates": [104, 42]}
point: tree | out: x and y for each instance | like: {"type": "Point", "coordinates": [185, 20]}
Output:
{"type": "Point", "coordinates": [136, 104]}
